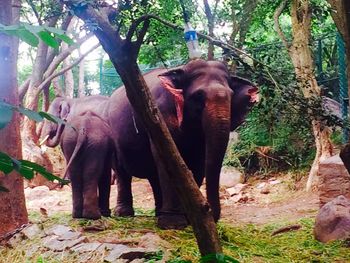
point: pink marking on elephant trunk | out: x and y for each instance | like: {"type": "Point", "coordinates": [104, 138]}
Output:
{"type": "Point", "coordinates": [178, 97]}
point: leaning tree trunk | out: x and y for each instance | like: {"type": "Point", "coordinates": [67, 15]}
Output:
{"type": "Point", "coordinates": [301, 56]}
{"type": "Point", "coordinates": [12, 204]}
{"type": "Point", "coordinates": [81, 83]}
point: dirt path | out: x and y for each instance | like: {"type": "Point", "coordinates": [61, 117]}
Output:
{"type": "Point", "coordinates": [280, 204]}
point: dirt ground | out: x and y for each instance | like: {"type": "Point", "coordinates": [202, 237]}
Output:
{"type": "Point", "coordinates": [251, 206]}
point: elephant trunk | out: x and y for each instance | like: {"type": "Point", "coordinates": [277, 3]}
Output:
{"type": "Point", "coordinates": [216, 122]}
{"type": "Point", "coordinates": [54, 131]}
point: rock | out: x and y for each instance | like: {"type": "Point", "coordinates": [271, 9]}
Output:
{"type": "Point", "coordinates": [32, 250]}
{"type": "Point", "coordinates": [236, 189]}
{"type": "Point", "coordinates": [230, 177]}
{"type": "Point", "coordinates": [15, 240]}
{"type": "Point", "coordinates": [261, 185]}
{"type": "Point", "coordinates": [53, 243]}
{"type": "Point", "coordinates": [32, 231]}
{"type": "Point", "coordinates": [275, 181]}
{"type": "Point", "coordinates": [240, 198]}
{"type": "Point", "coordinates": [86, 247]}
{"type": "Point", "coordinates": [129, 254]}
{"type": "Point", "coordinates": [152, 241]}
{"type": "Point", "coordinates": [334, 180]}
{"type": "Point", "coordinates": [138, 260]}
{"type": "Point", "coordinates": [63, 232]}
{"type": "Point", "coordinates": [265, 190]}
{"type": "Point", "coordinates": [333, 220]}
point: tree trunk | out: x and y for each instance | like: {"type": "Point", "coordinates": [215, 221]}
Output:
{"type": "Point", "coordinates": [81, 84]}
{"type": "Point", "coordinates": [301, 56]}
{"type": "Point", "coordinates": [341, 16]}
{"type": "Point", "coordinates": [12, 204]}
{"type": "Point", "coordinates": [31, 150]}
{"type": "Point", "coordinates": [210, 17]}
{"type": "Point", "coordinates": [68, 80]}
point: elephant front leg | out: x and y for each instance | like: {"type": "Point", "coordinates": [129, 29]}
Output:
{"type": "Point", "coordinates": [171, 214]}
{"type": "Point", "coordinates": [124, 205]}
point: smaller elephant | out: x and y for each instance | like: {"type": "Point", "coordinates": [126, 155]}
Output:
{"type": "Point", "coordinates": [88, 148]}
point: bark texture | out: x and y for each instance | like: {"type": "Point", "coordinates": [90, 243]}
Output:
{"type": "Point", "coordinates": [340, 11]}
{"type": "Point", "coordinates": [12, 204]}
{"type": "Point", "coordinates": [300, 53]}
{"type": "Point", "coordinates": [123, 54]}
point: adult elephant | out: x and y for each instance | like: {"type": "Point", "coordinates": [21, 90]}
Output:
{"type": "Point", "coordinates": [200, 103]}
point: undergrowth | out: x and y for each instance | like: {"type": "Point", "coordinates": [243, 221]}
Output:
{"type": "Point", "coordinates": [247, 243]}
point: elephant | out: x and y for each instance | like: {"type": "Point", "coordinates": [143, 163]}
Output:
{"type": "Point", "coordinates": [88, 148]}
{"type": "Point", "coordinates": [76, 112]}
{"type": "Point", "coordinates": [65, 109]}
{"type": "Point", "coordinates": [200, 103]}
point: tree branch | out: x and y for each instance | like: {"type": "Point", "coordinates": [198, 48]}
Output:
{"type": "Point", "coordinates": [278, 28]}
{"type": "Point", "coordinates": [142, 34]}
{"type": "Point", "coordinates": [32, 6]}
{"type": "Point", "coordinates": [64, 54]}
{"type": "Point", "coordinates": [62, 71]}
{"type": "Point", "coordinates": [22, 90]}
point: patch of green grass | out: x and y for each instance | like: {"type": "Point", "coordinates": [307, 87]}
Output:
{"type": "Point", "coordinates": [245, 243]}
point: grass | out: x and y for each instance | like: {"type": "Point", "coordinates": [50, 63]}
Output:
{"type": "Point", "coordinates": [245, 243]}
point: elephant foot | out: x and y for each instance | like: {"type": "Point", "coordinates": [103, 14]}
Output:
{"type": "Point", "coordinates": [91, 214]}
{"type": "Point", "coordinates": [172, 221]}
{"type": "Point", "coordinates": [77, 214]}
{"type": "Point", "coordinates": [124, 211]}
{"type": "Point", "coordinates": [105, 212]}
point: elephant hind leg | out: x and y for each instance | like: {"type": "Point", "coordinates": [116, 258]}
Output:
{"type": "Point", "coordinates": [104, 189]}
{"type": "Point", "coordinates": [90, 181]}
{"type": "Point", "coordinates": [77, 192]}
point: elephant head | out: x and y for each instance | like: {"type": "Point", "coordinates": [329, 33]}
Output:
{"type": "Point", "coordinates": [51, 131]}
{"type": "Point", "coordinates": [210, 101]}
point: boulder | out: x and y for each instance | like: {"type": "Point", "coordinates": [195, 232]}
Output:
{"type": "Point", "coordinates": [229, 177]}
{"type": "Point", "coordinates": [333, 220]}
{"type": "Point", "coordinates": [334, 179]}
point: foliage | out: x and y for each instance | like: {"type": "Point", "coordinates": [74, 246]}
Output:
{"type": "Point", "coordinates": [31, 34]}
{"type": "Point", "coordinates": [24, 167]}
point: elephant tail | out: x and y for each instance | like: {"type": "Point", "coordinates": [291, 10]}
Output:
{"type": "Point", "coordinates": [81, 138]}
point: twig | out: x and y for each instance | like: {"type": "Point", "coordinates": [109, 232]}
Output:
{"type": "Point", "coordinates": [278, 28]}
{"type": "Point", "coordinates": [286, 229]}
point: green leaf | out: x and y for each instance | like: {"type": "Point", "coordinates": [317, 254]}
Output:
{"type": "Point", "coordinates": [6, 164]}
{"type": "Point", "coordinates": [65, 38]}
{"type": "Point", "coordinates": [42, 170]}
{"type": "Point", "coordinates": [28, 37]}
{"type": "Point", "coordinates": [52, 118]}
{"type": "Point", "coordinates": [6, 113]}
{"type": "Point", "coordinates": [30, 114]}
{"type": "Point", "coordinates": [48, 39]}
{"type": "Point", "coordinates": [26, 172]}
{"type": "Point", "coordinates": [3, 189]}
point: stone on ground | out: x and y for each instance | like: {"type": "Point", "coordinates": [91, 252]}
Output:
{"type": "Point", "coordinates": [334, 179]}
{"type": "Point", "coordinates": [333, 220]}
{"type": "Point", "coordinates": [229, 177]}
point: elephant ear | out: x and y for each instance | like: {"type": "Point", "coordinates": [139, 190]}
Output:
{"type": "Point", "coordinates": [173, 82]}
{"type": "Point", "coordinates": [245, 87]}
{"type": "Point", "coordinates": [64, 110]}
{"type": "Point", "coordinates": [245, 95]}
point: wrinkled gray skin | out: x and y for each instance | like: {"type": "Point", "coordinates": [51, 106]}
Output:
{"type": "Point", "coordinates": [73, 110]}
{"type": "Point", "coordinates": [88, 147]}
{"type": "Point", "coordinates": [215, 103]}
